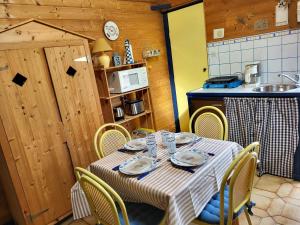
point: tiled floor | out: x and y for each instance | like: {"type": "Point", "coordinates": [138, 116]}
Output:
{"type": "Point", "coordinates": [277, 202]}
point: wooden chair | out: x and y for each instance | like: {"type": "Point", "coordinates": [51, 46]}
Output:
{"type": "Point", "coordinates": [234, 196]}
{"type": "Point", "coordinates": [108, 207]}
{"type": "Point", "coordinates": [110, 137]}
{"type": "Point", "coordinates": [210, 122]}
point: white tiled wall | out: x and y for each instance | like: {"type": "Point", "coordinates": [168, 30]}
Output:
{"type": "Point", "coordinates": [278, 52]}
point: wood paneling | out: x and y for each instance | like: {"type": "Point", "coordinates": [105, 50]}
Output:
{"type": "Point", "coordinates": [136, 21]}
{"type": "Point", "coordinates": [45, 122]}
{"type": "Point", "coordinates": [239, 17]}
{"type": "Point", "coordinates": [33, 127]}
{"type": "Point", "coordinates": [79, 106]}
{"type": "Point", "coordinates": [4, 211]}
{"type": "Point", "coordinates": [35, 31]}
{"type": "Point", "coordinates": [13, 188]}
{"type": "Point", "coordinates": [173, 3]}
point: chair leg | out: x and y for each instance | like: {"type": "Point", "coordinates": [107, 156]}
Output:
{"type": "Point", "coordinates": [248, 217]}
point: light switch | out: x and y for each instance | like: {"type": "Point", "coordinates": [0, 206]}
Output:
{"type": "Point", "coordinates": [219, 33]}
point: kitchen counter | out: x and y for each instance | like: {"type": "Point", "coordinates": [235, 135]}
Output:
{"type": "Point", "coordinates": [240, 91]}
{"type": "Point", "coordinates": [215, 97]}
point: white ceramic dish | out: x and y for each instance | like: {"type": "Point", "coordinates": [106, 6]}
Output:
{"type": "Point", "coordinates": [185, 138]}
{"type": "Point", "coordinates": [136, 144]}
{"type": "Point", "coordinates": [137, 165]}
{"type": "Point", "coordinates": [190, 158]}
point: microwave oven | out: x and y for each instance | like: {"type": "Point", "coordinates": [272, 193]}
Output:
{"type": "Point", "coordinates": [128, 80]}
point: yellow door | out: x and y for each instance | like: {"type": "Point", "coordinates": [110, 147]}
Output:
{"type": "Point", "coordinates": [189, 55]}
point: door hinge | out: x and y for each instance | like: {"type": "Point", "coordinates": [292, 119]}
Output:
{"type": "Point", "coordinates": [33, 216]}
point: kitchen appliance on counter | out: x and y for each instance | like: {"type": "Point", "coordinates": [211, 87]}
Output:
{"type": "Point", "coordinates": [134, 107]}
{"type": "Point", "coordinates": [223, 82]}
{"type": "Point", "coordinates": [252, 74]}
{"type": "Point", "coordinates": [118, 113]}
{"type": "Point", "coordinates": [128, 80]}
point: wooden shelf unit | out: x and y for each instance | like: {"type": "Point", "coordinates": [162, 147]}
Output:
{"type": "Point", "coordinates": [109, 100]}
{"type": "Point", "coordinates": [121, 67]}
{"type": "Point", "coordinates": [123, 94]}
{"type": "Point", "coordinates": [129, 118]}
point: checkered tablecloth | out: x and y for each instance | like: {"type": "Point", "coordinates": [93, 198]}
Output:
{"type": "Point", "coordinates": [181, 194]}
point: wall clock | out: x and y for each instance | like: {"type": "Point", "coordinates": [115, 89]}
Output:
{"type": "Point", "coordinates": [111, 30]}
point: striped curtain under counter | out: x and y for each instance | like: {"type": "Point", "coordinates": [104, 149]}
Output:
{"type": "Point", "coordinates": [274, 122]}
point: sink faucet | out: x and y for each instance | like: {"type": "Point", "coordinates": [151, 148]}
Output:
{"type": "Point", "coordinates": [297, 80]}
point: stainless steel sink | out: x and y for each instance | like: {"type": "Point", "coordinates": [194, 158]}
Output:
{"type": "Point", "coordinates": [275, 88]}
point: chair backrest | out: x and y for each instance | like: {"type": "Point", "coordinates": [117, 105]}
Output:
{"type": "Point", "coordinates": [110, 137]}
{"type": "Point", "coordinates": [241, 173]}
{"type": "Point", "coordinates": [241, 182]}
{"type": "Point", "coordinates": [210, 122]}
{"type": "Point", "coordinates": [102, 198]}
{"type": "Point", "coordinates": [79, 172]}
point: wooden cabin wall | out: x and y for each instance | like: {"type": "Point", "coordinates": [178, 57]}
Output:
{"type": "Point", "coordinates": [4, 211]}
{"type": "Point", "coordinates": [175, 3]}
{"type": "Point", "coordinates": [239, 17]}
{"type": "Point", "coordinates": [143, 27]}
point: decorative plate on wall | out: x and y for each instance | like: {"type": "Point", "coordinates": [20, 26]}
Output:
{"type": "Point", "coordinates": [111, 30]}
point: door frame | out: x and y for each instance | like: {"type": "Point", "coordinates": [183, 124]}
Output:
{"type": "Point", "coordinates": [170, 59]}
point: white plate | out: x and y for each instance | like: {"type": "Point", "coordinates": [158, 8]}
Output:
{"type": "Point", "coordinates": [185, 138]}
{"type": "Point", "coordinates": [137, 165]}
{"type": "Point", "coordinates": [189, 158]}
{"type": "Point", "coordinates": [136, 144]}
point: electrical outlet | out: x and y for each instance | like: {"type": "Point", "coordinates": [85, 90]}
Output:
{"type": "Point", "coordinates": [219, 33]}
{"type": "Point", "coordinates": [151, 53]}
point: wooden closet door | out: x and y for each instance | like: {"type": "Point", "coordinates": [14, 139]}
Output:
{"type": "Point", "coordinates": [78, 99]}
{"type": "Point", "coordinates": [34, 130]}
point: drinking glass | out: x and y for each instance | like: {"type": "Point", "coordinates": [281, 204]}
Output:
{"type": "Point", "coordinates": [151, 145]}
{"type": "Point", "coordinates": [164, 135]}
{"type": "Point", "coordinates": [171, 143]}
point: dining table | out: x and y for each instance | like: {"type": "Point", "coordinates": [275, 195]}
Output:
{"type": "Point", "coordinates": [182, 193]}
